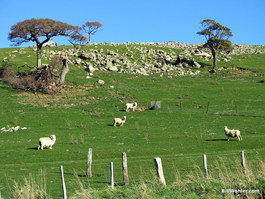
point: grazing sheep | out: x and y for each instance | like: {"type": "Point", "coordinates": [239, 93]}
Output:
{"type": "Point", "coordinates": [119, 121]}
{"type": "Point", "coordinates": [232, 133]}
{"type": "Point", "coordinates": [132, 106]}
{"type": "Point", "coordinates": [46, 142]}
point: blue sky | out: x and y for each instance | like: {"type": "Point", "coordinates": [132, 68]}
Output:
{"type": "Point", "coordinates": [142, 20]}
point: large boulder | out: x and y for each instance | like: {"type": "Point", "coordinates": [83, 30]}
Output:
{"type": "Point", "coordinates": [101, 82]}
{"type": "Point", "coordinates": [113, 68]}
{"type": "Point", "coordinates": [89, 56]}
{"type": "Point", "coordinates": [90, 68]}
{"type": "Point", "coordinates": [50, 44]}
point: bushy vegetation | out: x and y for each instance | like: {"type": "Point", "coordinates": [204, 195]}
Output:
{"type": "Point", "coordinates": [194, 110]}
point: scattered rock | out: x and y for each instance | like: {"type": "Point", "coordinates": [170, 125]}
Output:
{"type": "Point", "coordinates": [77, 61]}
{"type": "Point", "coordinates": [113, 68]}
{"type": "Point", "coordinates": [90, 68]}
{"type": "Point", "coordinates": [11, 129]}
{"type": "Point", "coordinates": [139, 58]}
{"type": "Point", "coordinates": [101, 82]}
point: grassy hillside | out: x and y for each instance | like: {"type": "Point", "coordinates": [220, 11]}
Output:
{"type": "Point", "coordinates": [194, 110]}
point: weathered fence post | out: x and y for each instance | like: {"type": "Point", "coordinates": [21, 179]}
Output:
{"type": "Point", "coordinates": [205, 166]}
{"type": "Point", "coordinates": [155, 105]}
{"type": "Point", "coordinates": [242, 156]}
{"type": "Point", "coordinates": [236, 107]}
{"type": "Point", "coordinates": [180, 106]}
{"type": "Point", "coordinates": [125, 169]}
{"type": "Point", "coordinates": [207, 107]}
{"type": "Point", "coordinates": [63, 183]}
{"type": "Point", "coordinates": [111, 175]}
{"type": "Point", "coordinates": [89, 163]}
{"type": "Point", "coordinates": [159, 170]}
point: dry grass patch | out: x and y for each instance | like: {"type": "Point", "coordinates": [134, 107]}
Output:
{"type": "Point", "coordinates": [68, 97]}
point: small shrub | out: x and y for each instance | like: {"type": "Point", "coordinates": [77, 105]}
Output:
{"type": "Point", "coordinates": [20, 81]}
{"type": "Point", "coordinates": [78, 140]}
{"type": "Point", "coordinates": [44, 79]}
{"type": "Point", "coordinates": [31, 188]}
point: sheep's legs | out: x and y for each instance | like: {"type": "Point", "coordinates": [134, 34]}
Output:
{"type": "Point", "coordinates": [227, 138]}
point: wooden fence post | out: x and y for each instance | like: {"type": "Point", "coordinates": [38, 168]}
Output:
{"type": "Point", "coordinates": [180, 105]}
{"type": "Point", "coordinates": [243, 164]}
{"type": "Point", "coordinates": [205, 166]}
{"type": "Point", "coordinates": [89, 163]}
{"type": "Point", "coordinates": [159, 170]}
{"type": "Point", "coordinates": [111, 175]}
{"type": "Point", "coordinates": [207, 107]}
{"type": "Point", "coordinates": [63, 183]}
{"type": "Point", "coordinates": [125, 169]}
{"type": "Point", "coordinates": [235, 107]}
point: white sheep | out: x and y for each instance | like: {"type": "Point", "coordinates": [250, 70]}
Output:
{"type": "Point", "coordinates": [119, 121]}
{"type": "Point", "coordinates": [132, 106]}
{"type": "Point", "coordinates": [232, 133]}
{"type": "Point", "coordinates": [46, 142]}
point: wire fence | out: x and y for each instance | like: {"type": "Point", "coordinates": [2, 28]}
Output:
{"type": "Point", "coordinates": [142, 167]}
{"type": "Point", "coordinates": [137, 162]}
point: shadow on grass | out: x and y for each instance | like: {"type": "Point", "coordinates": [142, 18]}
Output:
{"type": "Point", "coordinates": [33, 148]}
{"type": "Point", "coordinates": [216, 140]}
{"type": "Point", "coordinates": [239, 115]}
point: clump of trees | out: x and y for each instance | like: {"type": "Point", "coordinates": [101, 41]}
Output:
{"type": "Point", "coordinates": [41, 78]}
{"type": "Point", "coordinates": [45, 78]}
{"type": "Point", "coordinates": [40, 31]}
{"type": "Point", "coordinates": [217, 38]}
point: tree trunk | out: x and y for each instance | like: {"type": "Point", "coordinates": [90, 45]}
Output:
{"type": "Point", "coordinates": [65, 70]}
{"type": "Point", "coordinates": [38, 56]}
{"type": "Point", "coordinates": [89, 38]}
{"type": "Point", "coordinates": [214, 58]}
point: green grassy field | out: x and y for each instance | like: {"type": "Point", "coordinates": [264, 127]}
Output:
{"type": "Point", "coordinates": [189, 123]}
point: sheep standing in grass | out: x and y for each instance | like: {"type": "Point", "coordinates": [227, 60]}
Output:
{"type": "Point", "coordinates": [46, 142]}
{"type": "Point", "coordinates": [232, 133]}
{"type": "Point", "coordinates": [119, 121]}
{"type": "Point", "coordinates": [131, 106]}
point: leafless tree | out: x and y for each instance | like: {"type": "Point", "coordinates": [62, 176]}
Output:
{"type": "Point", "coordinates": [91, 28]}
{"type": "Point", "coordinates": [37, 29]}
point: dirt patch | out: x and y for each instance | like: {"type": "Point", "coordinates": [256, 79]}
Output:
{"type": "Point", "coordinates": [139, 108]}
{"type": "Point", "coordinates": [239, 72]}
{"type": "Point", "coordinates": [67, 98]}
{"type": "Point", "coordinates": [236, 69]}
